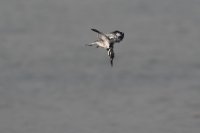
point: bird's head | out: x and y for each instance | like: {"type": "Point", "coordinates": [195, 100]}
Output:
{"type": "Point", "coordinates": [119, 34]}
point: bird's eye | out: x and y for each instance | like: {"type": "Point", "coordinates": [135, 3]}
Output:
{"type": "Point", "coordinates": [118, 34]}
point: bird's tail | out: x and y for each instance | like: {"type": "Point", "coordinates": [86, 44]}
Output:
{"type": "Point", "coordinates": [111, 54]}
{"type": "Point", "coordinates": [111, 62]}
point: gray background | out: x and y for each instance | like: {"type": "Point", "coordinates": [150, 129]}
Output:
{"type": "Point", "coordinates": [51, 83]}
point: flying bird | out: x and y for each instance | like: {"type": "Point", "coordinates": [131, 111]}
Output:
{"type": "Point", "coordinates": [107, 41]}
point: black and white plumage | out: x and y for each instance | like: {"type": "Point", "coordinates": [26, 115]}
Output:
{"type": "Point", "coordinates": [107, 42]}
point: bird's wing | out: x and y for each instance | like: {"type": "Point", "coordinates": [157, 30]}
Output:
{"type": "Point", "coordinates": [102, 36]}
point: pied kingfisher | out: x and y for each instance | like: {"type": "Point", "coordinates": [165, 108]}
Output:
{"type": "Point", "coordinates": [107, 41]}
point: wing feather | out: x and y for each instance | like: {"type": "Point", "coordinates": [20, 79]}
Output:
{"type": "Point", "coordinates": [101, 33]}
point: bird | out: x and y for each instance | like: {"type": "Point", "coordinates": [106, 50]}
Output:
{"type": "Point", "coordinates": [107, 41]}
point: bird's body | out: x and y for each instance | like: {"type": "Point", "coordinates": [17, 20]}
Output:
{"type": "Point", "coordinates": [107, 41]}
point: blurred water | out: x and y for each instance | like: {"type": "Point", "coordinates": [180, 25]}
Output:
{"type": "Point", "coordinates": [51, 83]}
